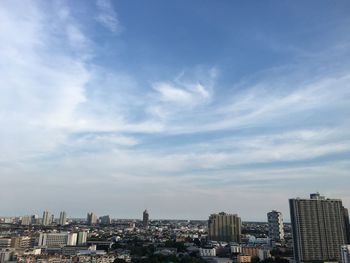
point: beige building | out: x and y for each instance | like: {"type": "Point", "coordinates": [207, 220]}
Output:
{"type": "Point", "coordinates": [318, 227]}
{"type": "Point", "coordinates": [224, 227]}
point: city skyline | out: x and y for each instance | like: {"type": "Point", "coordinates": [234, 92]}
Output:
{"type": "Point", "coordinates": [184, 108]}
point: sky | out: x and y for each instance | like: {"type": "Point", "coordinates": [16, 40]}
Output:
{"type": "Point", "coordinates": [185, 108]}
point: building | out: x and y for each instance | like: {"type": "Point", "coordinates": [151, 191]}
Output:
{"type": "Point", "coordinates": [275, 225]}
{"type": "Point", "coordinates": [224, 227]}
{"type": "Point", "coordinates": [207, 252]}
{"type": "Point", "coordinates": [345, 254]}
{"type": "Point", "coordinates": [244, 259]}
{"type": "Point", "coordinates": [105, 220]}
{"type": "Point", "coordinates": [318, 228]}
{"type": "Point", "coordinates": [347, 224]}
{"type": "Point", "coordinates": [5, 242]}
{"type": "Point", "coordinates": [145, 218]}
{"type": "Point", "coordinates": [63, 218]}
{"type": "Point", "coordinates": [82, 238]}
{"type": "Point", "coordinates": [57, 240]}
{"type": "Point", "coordinates": [6, 255]}
{"type": "Point", "coordinates": [46, 218]}
{"type": "Point", "coordinates": [26, 220]}
{"type": "Point", "coordinates": [91, 219]}
{"type": "Point", "coordinates": [22, 242]}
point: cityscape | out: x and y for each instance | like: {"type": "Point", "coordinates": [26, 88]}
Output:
{"type": "Point", "coordinates": [174, 131]}
{"type": "Point", "coordinates": [319, 232]}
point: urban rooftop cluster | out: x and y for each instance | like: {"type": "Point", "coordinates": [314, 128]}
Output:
{"type": "Point", "coordinates": [319, 232]}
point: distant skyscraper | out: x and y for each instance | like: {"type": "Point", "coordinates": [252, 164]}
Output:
{"type": "Point", "coordinates": [46, 218]}
{"type": "Point", "coordinates": [145, 218]}
{"type": "Point", "coordinates": [63, 218]}
{"type": "Point", "coordinates": [105, 220]}
{"type": "Point", "coordinates": [318, 228]}
{"type": "Point", "coordinates": [275, 225]}
{"type": "Point", "coordinates": [91, 218]}
{"type": "Point", "coordinates": [224, 227]}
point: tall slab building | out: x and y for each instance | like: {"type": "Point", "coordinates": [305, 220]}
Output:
{"type": "Point", "coordinates": [224, 227]}
{"type": "Point", "coordinates": [275, 225]}
{"type": "Point", "coordinates": [318, 227]}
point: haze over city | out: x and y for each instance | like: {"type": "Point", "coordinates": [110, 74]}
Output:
{"type": "Point", "coordinates": [182, 107]}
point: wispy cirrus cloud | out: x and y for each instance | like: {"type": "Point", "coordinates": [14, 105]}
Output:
{"type": "Point", "coordinates": [107, 16]}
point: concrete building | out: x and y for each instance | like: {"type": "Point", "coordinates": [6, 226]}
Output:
{"type": "Point", "coordinates": [345, 254]}
{"type": "Point", "coordinates": [46, 218]}
{"type": "Point", "coordinates": [63, 218]}
{"type": "Point", "coordinates": [22, 242]}
{"type": "Point", "coordinates": [207, 252]}
{"type": "Point", "coordinates": [5, 242]}
{"type": "Point", "coordinates": [275, 225]}
{"type": "Point", "coordinates": [244, 259]}
{"type": "Point", "coordinates": [26, 220]}
{"type": "Point", "coordinates": [347, 224]}
{"type": "Point", "coordinates": [57, 240]}
{"type": "Point", "coordinates": [105, 220]}
{"type": "Point", "coordinates": [82, 238]}
{"type": "Point", "coordinates": [6, 255]}
{"type": "Point", "coordinates": [224, 227]}
{"type": "Point", "coordinates": [145, 218]}
{"type": "Point", "coordinates": [318, 228]}
{"type": "Point", "coordinates": [91, 219]}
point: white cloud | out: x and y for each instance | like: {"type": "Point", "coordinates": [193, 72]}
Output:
{"type": "Point", "coordinates": [107, 16]}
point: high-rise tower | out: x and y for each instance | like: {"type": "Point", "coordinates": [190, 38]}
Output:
{"type": "Point", "coordinates": [224, 227]}
{"type": "Point", "coordinates": [275, 225]}
{"type": "Point", "coordinates": [145, 218]}
{"type": "Point", "coordinates": [63, 218]}
{"type": "Point", "coordinates": [318, 228]}
{"type": "Point", "coordinates": [46, 218]}
{"type": "Point", "coordinates": [91, 219]}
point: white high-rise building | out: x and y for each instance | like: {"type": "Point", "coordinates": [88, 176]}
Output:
{"type": "Point", "coordinates": [46, 218]}
{"type": "Point", "coordinates": [275, 225]}
{"type": "Point", "coordinates": [63, 218]}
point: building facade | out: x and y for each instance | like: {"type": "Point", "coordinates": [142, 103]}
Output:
{"type": "Point", "coordinates": [318, 228]}
{"type": "Point", "coordinates": [91, 218]}
{"type": "Point", "coordinates": [63, 218]}
{"type": "Point", "coordinates": [46, 218]}
{"type": "Point", "coordinates": [345, 254]}
{"type": "Point", "coordinates": [275, 225]}
{"type": "Point", "coordinates": [145, 218]}
{"type": "Point", "coordinates": [224, 227]}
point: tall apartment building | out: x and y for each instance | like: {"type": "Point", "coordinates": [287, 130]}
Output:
{"type": "Point", "coordinates": [63, 218]}
{"type": "Point", "coordinates": [318, 228]}
{"type": "Point", "coordinates": [91, 219]}
{"type": "Point", "coordinates": [224, 227]}
{"type": "Point", "coordinates": [105, 220]}
{"type": "Point", "coordinates": [46, 218]}
{"type": "Point", "coordinates": [145, 218]}
{"type": "Point", "coordinates": [275, 225]}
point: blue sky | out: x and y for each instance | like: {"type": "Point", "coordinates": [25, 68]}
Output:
{"type": "Point", "coordinates": [182, 107]}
